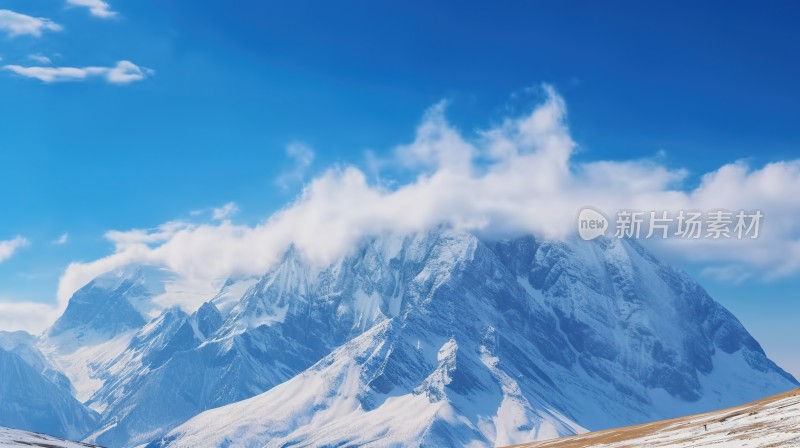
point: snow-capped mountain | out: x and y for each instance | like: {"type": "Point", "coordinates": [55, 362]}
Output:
{"type": "Point", "coordinates": [109, 305]}
{"type": "Point", "coordinates": [438, 339]}
{"type": "Point", "coordinates": [451, 341]}
{"type": "Point", "coordinates": [24, 345]}
{"type": "Point", "coordinates": [34, 395]}
{"type": "Point", "coordinates": [98, 324]}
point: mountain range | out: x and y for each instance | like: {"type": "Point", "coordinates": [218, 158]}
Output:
{"type": "Point", "coordinates": [441, 338]}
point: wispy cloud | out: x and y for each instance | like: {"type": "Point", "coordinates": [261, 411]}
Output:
{"type": "Point", "coordinates": [224, 212]}
{"type": "Point", "coordinates": [97, 8]}
{"type": "Point", "coordinates": [61, 240]}
{"type": "Point", "coordinates": [124, 72]}
{"type": "Point", "coordinates": [9, 247]}
{"type": "Point", "coordinates": [216, 213]}
{"type": "Point", "coordinates": [40, 59]}
{"type": "Point", "coordinates": [302, 156]}
{"type": "Point", "coordinates": [15, 24]}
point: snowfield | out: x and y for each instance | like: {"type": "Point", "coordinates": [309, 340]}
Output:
{"type": "Point", "coordinates": [771, 422]}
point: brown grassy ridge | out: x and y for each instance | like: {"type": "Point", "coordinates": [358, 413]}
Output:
{"type": "Point", "coordinates": [690, 430]}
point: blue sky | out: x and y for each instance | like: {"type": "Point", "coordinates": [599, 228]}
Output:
{"type": "Point", "coordinates": [227, 86]}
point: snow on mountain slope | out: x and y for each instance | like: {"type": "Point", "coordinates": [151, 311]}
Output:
{"type": "Point", "coordinates": [34, 394]}
{"type": "Point", "coordinates": [87, 366]}
{"type": "Point", "coordinates": [113, 303]}
{"type": "Point", "coordinates": [324, 405]}
{"type": "Point", "coordinates": [15, 438]}
{"type": "Point", "coordinates": [24, 345]}
{"type": "Point", "coordinates": [770, 422]}
{"type": "Point", "coordinates": [446, 340]}
{"type": "Point", "coordinates": [231, 293]}
{"type": "Point", "coordinates": [31, 401]}
{"type": "Point", "coordinates": [98, 324]}
{"type": "Point", "coordinates": [289, 319]}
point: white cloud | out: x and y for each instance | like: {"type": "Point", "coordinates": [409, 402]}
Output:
{"type": "Point", "coordinates": [28, 316]}
{"type": "Point", "coordinates": [518, 177]}
{"type": "Point", "coordinates": [97, 8]}
{"type": "Point", "coordinates": [61, 240]}
{"type": "Point", "coordinates": [124, 72]}
{"type": "Point", "coordinates": [9, 247]}
{"type": "Point", "coordinates": [302, 157]}
{"type": "Point", "coordinates": [132, 238]}
{"type": "Point", "coordinates": [16, 24]}
{"type": "Point", "coordinates": [40, 59]}
{"type": "Point", "coordinates": [225, 212]}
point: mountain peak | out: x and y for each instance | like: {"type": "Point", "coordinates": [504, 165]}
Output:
{"type": "Point", "coordinates": [112, 303]}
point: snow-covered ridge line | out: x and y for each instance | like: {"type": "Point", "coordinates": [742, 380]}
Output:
{"type": "Point", "coordinates": [770, 422]}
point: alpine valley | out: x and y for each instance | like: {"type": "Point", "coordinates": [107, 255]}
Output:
{"type": "Point", "coordinates": [442, 339]}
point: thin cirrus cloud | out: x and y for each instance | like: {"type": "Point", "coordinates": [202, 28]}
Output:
{"type": "Point", "coordinates": [224, 212]}
{"type": "Point", "coordinates": [97, 8]}
{"type": "Point", "coordinates": [516, 178]}
{"type": "Point", "coordinates": [16, 24]}
{"type": "Point", "coordinates": [302, 156]}
{"type": "Point", "coordinates": [61, 240]}
{"type": "Point", "coordinates": [9, 247]}
{"type": "Point", "coordinates": [124, 72]}
{"type": "Point", "coordinates": [40, 59]}
{"type": "Point", "coordinates": [217, 213]}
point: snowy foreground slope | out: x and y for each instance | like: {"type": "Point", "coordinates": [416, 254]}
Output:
{"type": "Point", "coordinates": [433, 339]}
{"type": "Point", "coordinates": [15, 438]}
{"type": "Point", "coordinates": [771, 422]}
{"type": "Point", "coordinates": [444, 339]}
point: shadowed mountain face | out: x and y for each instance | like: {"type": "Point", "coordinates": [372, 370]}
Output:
{"type": "Point", "coordinates": [33, 397]}
{"type": "Point", "coordinates": [110, 304]}
{"type": "Point", "coordinates": [440, 339]}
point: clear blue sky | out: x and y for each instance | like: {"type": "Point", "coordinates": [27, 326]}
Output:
{"type": "Point", "coordinates": [236, 81]}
